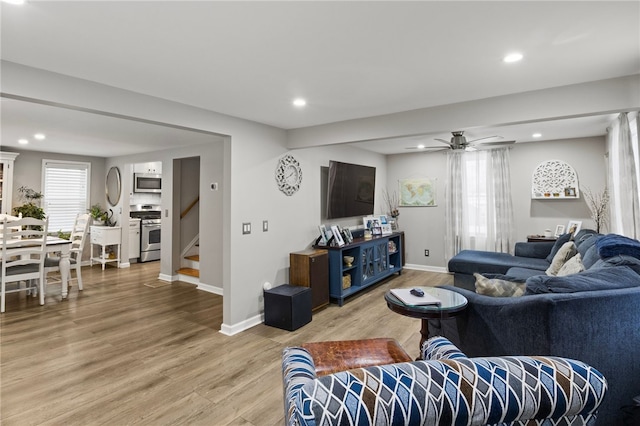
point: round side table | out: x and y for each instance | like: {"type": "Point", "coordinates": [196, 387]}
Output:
{"type": "Point", "coordinates": [452, 304]}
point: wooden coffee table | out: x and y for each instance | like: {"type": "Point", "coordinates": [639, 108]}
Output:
{"type": "Point", "coordinates": [452, 304]}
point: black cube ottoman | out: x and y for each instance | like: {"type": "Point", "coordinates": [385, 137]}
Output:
{"type": "Point", "coordinates": [287, 306]}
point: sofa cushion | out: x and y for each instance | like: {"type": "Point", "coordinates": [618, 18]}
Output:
{"type": "Point", "coordinates": [497, 285]}
{"type": "Point", "coordinates": [521, 274]}
{"type": "Point", "coordinates": [613, 244]}
{"type": "Point", "coordinates": [591, 279]}
{"type": "Point", "coordinates": [586, 243]}
{"type": "Point", "coordinates": [590, 257]}
{"type": "Point", "coordinates": [571, 266]}
{"type": "Point", "coordinates": [620, 260]}
{"type": "Point", "coordinates": [562, 239]}
{"type": "Point", "coordinates": [566, 252]}
{"type": "Point", "coordinates": [470, 261]}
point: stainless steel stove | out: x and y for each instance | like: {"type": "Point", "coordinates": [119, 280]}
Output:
{"type": "Point", "coordinates": [150, 216]}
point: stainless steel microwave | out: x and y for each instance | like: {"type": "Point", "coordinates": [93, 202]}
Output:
{"type": "Point", "coordinates": [147, 182]}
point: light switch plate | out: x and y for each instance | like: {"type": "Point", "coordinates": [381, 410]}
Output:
{"type": "Point", "coordinates": [246, 228]}
{"type": "Point", "coordinates": [265, 225]}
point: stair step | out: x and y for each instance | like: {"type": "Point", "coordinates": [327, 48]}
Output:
{"type": "Point", "coordinates": [195, 257]}
{"type": "Point", "coordinates": [189, 271]}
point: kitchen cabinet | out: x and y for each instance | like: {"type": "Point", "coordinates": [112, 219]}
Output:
{"type": "Point", "coordinates": [134, 238]}
{"type": "Point", "coordinates": [108, 240]}
{"type": "Point", "coordinates": [149, 167]}
{"type": "Point", "coordinates": [6, 181]}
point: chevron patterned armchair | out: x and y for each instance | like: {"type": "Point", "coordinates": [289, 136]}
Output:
{"type": "Point", "coordinates": [444, 388]}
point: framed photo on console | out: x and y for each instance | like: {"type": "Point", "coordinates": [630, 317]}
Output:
{"type": "Point", "coordinates": [559, 230]}
{"type": "Point", "coordinates": [574, 226]}
{"type": "Point", "coordinates": [337, 236]}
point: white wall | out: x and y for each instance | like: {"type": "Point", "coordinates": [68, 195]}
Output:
{"type": "Point", "coordinates": [424, 226]}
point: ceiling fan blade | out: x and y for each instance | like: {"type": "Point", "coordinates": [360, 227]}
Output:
{"type": "Point", "coordinates": [481, 139]}
{"type": "Point", "coordinates": [443, 141]}
{"type": "Point", "coordinates": [427, 148]}
{"type": "Point", "coordinates": [497, 143]}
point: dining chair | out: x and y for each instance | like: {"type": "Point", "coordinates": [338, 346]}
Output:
{"type": "Point", "coordinates": [10, 218]}
{"type": "Point", "coordinates": [23, 253]}
{"type": "Point", "coordinates": [78, 235]}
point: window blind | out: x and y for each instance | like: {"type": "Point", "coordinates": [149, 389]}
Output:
{"type": "Point", "coordinates": [66, 193]}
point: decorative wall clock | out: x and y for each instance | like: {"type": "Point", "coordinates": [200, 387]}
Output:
{"type": "Point", "coordinates": [288, 175]}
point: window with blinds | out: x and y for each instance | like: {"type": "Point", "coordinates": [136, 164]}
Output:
{"type": "Point", "coordinates": [66, 192]}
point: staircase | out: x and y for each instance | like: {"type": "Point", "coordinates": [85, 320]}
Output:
{"type": "Point", "coordinates": [189, 271]}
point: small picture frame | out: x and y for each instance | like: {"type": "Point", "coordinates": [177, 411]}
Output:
{"type": "Point", "coordinates": [337, 236]}
{"type": "Point", "coordinates": [348, 236]}
{"type": "Point", "coordinates": [367, 221]}
{"type": "Point", "coordinates": [570, 192]}
{"type": "Point", "coordinates": [559, 230]}
{"type": "Point", "coordinates": [376, 228]}
{"type": "Point", "coordinates": [324, 238]}
{"type": "Point", "coordinates": [574, 226]}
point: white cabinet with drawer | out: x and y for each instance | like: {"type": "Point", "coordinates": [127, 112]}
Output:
{"type": "Point", "coordinates": [108, 238]}
{"type": "Point", "coordinates": [134, 238]}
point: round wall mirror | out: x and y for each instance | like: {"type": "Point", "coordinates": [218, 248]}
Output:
{"type": "Point", "coordinates": [113, 186]}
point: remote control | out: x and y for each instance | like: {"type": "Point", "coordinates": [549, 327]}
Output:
{"type": "Point", "coordinates": [417, 292]}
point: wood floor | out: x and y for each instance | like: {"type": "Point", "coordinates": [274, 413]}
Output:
{"type": "Point", "coordinates": [131, 349]}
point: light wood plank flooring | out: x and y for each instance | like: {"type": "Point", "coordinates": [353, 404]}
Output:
{"type": "Point", "coordinates": [131, 349]}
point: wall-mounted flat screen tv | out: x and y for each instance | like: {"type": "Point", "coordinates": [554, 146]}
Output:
{"type": "Point", "coordinates": [350, 190]}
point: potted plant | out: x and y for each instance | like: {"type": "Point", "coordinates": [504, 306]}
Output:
{"type": "Point", "coordinates": [98, 214]}
{"type": "Point", "coordinates": [31, 206]}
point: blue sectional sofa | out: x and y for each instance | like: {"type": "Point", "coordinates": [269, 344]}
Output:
{"type": "Point", "coordinates": [592, 316]}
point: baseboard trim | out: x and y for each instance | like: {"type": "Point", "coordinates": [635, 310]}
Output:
{"type": "Point", "coordinates": [168, 278]}
{"type": "Point", "coordinates": [124, 265]}
{"type": "Point", "coordinates": [210, 289]}
{"type": "Point", "coordinates": [426, 268]}
{"type": "Point", "coordinates": [230, 330]}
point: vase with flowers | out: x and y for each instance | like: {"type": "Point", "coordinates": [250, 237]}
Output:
{"type": "Point", "coordinates": [392, 201]}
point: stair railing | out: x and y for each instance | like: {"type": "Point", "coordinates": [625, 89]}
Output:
{"type": "Point", "coordinates": [189, 207]}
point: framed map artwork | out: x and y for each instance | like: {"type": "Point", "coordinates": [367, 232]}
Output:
{"type": "Point", "coordinates": [418, 192]}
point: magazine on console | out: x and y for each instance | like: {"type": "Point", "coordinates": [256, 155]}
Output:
{"type": "Point", "coordinates": [404, 294]}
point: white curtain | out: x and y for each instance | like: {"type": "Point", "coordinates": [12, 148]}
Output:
{"type": "Point", "coordinates": [622, 145]}
{"type": "Point", "coordinates": [478, 207]}
{"type": "Point", "coordinates": [454, 205]}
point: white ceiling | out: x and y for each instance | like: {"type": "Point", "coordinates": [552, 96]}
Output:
{"type": "Point", "coordinates": [348, 59]}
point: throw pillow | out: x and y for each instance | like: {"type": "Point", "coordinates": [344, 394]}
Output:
{"type": "Point", "coordinates": [497, 287]}
{"type": "Point", "coordinates": [562, 239]}
{"type": "Point", "coordinates": [591, 279]}
{"type": "Point", "coordinates": [572, 266]}
{"type": "Point", "coordinates": [566, 252]}
{"type": "Point", "coordinates": [590, 257]}
{"type": "Point", "coordinates": [613, 244]}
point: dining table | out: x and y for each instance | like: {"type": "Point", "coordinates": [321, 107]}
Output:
{"type": "Point", "coordinates": [53, 245]}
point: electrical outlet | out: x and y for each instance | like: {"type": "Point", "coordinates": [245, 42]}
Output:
{"type": "Point", "coordinates": [265, 226]}
{"type": "Point", "coordinates": [426, 253]}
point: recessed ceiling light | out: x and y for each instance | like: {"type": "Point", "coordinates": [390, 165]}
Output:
{"type": "Point", "coordinates": [299, 102]}
{"type": "Point", "coordinates": [39, 136]}
{"type": "Point", "coordinates": [536, 135]}
{"type": "Point", "coordinates": [14, 1]}
{"type": "Point", "coordinates": [420, 146]}
{"type": "Point", "coordinates": [23, 141]}
{"type": "Point", "coordinates": [513, 57]}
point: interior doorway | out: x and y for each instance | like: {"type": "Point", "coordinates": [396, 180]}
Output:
{"type": "Point", "coordinates": [187, 197]}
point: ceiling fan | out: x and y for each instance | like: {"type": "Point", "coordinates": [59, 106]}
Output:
{"type": "Point", "coordinates": [459, 142]}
